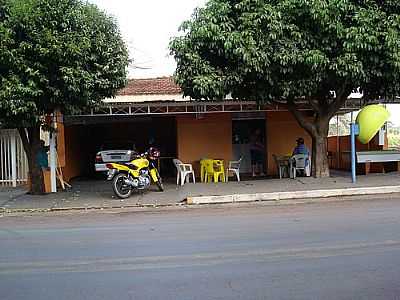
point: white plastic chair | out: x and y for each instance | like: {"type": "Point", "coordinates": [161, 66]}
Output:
{"type": "Point", "coordinates": [234, 166]}
{"type": "Point", "coordinates": [183, 170]}
{"type": "Point", "coordinates": [299, 162]}
{"type": "Point", "coordinates": [281, 164]}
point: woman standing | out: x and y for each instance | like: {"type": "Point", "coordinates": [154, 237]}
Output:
{"type": "Point", "coordinates": [257, 151]}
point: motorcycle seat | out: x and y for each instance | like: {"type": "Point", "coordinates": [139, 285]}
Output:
{"type": "Point", "coordinates": [129, 165]}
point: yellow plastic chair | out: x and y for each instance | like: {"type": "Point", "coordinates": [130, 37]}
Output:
{"type": "Point", "coordinates": [203, 169]}
{"type": "Point", "coordinates": [208, 169]}
{"type": "Point", "coordinates": [215, 170]}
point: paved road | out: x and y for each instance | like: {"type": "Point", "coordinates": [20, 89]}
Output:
{"type": "Point", "coordinates": [343, 250]}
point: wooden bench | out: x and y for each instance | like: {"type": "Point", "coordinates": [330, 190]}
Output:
{"type": "Point", "coordinates": [385, 157]}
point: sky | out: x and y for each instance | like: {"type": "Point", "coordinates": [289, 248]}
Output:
{"type": "Point", "coordinates": [394, 110]}
{"type": "Point", "coordinates": [147, 27]}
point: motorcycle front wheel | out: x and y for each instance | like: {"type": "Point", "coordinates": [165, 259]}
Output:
{"type": "Point", "coordinates": [121, 189]}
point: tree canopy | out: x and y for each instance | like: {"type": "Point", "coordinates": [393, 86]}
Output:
{"type": "Point", "coordinates": [56, 54]}
{"type": "Point", "coordinates": [287, 51]}
{"type": "Point", "coordinates": [268, 50]}
{"type": "Point", "coordinates": [61, 55]}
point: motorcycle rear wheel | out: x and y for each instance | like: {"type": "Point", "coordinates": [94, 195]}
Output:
{"type": "Point", "coordinates": [121, 189]}
{"type": "Point", "coordinates": [159, 183]}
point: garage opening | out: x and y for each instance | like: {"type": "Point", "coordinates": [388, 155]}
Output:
{"type": "Point", "coordinates": [84, 137]}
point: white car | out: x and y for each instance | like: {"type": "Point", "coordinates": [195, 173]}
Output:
{"type": "Point", "coordinates": [113, 152]}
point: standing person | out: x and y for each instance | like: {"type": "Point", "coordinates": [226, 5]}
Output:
{"type": "Point", "coordinates": [42, 158]}
{"type": "Point", "coordinates": [42, 162]}
{"type": "Point", "coordinates": [257, 153]}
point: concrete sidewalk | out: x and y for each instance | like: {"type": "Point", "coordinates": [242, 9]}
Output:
{"type": "Point", "coordinates": [98, 194]}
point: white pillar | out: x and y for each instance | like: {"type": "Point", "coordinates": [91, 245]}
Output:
{"type": "Point", "coordinates": [14, 159]}
{"type": "Point", "coordinates": [53, 162]}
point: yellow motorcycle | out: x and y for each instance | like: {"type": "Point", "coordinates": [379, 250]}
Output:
{"type": "Point", "coordinates": [135, 175]}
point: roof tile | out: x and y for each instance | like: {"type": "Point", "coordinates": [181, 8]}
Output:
{"type": "Point", "coordinates": [151, 86]}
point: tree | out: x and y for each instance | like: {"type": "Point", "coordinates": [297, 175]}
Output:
{"type": "Point", "coordinates": [292, 52]}
{"type": "Point", "coordinates": [55, 54]}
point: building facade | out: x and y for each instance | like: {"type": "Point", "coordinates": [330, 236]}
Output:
{"type": "Point", "coordinates": [189, 130]}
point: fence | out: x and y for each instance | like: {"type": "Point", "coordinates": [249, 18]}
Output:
{"type": "Point", "coordinates": [13, 161]}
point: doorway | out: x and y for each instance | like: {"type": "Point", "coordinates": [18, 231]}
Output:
{"type": "Point", "coordinates": [242, 131]}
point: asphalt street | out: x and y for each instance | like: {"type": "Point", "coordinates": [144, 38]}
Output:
{"type": "Point", "coordinates": [337, 250]}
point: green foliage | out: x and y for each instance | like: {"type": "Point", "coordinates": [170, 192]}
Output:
{"type": "Point", "coordinates": [56, 54]}
{"type": "Point", "coordinates": [270, 50]}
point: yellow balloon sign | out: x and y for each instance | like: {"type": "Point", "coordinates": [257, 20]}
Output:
{"type": "Point", "coordinates": [370, 119]}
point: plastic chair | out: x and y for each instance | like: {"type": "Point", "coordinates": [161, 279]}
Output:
{"type": "Point", "coordinates": [183, 170]}
{"type": "Point", "coordinates": [234, 166]}
{"type": "Point", "coordinates": [214, 170]}
{"type": "Point", "coordinates": [203, 169]}
{"type": "Point", "coordinates": [300, 162]}
{"type": "Point", "coordinates": [281, 164]}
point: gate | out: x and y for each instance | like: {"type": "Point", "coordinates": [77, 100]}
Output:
{"type": "Point", "coordinates": [13, 161]}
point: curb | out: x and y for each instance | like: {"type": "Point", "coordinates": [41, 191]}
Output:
{"type": "Point", "coordinates": [276, 196]}
{"type": "Point", "coordinates": [271, 198]}
{"type": "Point", "coordinates": [83, 208]}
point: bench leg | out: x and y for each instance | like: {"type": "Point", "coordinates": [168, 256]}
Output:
{"type": "Point", "coordinates": [367, 168]}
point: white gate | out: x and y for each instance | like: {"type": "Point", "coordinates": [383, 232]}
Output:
{"type": "Point", "coordinates": [13, 161]}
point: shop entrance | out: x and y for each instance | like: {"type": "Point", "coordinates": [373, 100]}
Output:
{"type": "Point", "coordinates": [83, 140]}
{"type": "Point", "coordinates": [245, 131]}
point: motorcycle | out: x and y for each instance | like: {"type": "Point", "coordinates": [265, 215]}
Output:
{"type": "Point", "coordinates": [135, 175]}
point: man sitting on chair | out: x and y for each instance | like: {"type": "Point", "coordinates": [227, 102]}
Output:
{"type": "Point", "coordinates": [301, 148]}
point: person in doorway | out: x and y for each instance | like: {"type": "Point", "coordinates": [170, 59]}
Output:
{"type": "Point", "coordinates": [41, 156]}
{"type": "Point", "coordinates": [257, 153]}
{"type": "Point", "coordinates": [152, 141]}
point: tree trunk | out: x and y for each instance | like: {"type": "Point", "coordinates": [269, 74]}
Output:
{"type": "Point", "coordinates": [31, 141]}
{"type": "Point", "coordinates": [319, 135]}
{"type": "Point", "coordinates": [318, 130]}
{"type": "Point", "coordinates": [319, 165]}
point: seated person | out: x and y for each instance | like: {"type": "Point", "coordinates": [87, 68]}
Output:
{"type": "Point", "coordinates": [301, 148]}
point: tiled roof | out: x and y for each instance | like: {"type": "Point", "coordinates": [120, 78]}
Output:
{"type": "Point", "coordinates": [150, 86]}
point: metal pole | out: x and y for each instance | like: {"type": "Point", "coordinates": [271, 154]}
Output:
{"type": "Point", "coordinates": [353, 132]}
{"type": "Point", "coordinates": [337, 143]}
{"type": "Point", "coordinates": [53, 162]}
{"type": "Point", "coordinates": [14, 158]}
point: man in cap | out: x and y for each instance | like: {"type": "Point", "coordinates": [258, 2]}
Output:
{"type": "Point", "coordinates": [301, 148]}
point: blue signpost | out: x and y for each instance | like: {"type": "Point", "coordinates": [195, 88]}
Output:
{"type": "Point", "coordinates": [369, 120]}
{"type": "Point", "coordinates": [354, 130]}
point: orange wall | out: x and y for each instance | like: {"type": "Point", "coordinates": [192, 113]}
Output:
{"type": "Point", "coordinates": [75, 156]}
{"type": "Point", "coordinates": [209, 137]}
{"type": "Point", "coordinates": [61, 145]}
{"type": "Point", "coordinates": [282, 132]}
{"type": "Point", "coordinates": [212, 137]}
